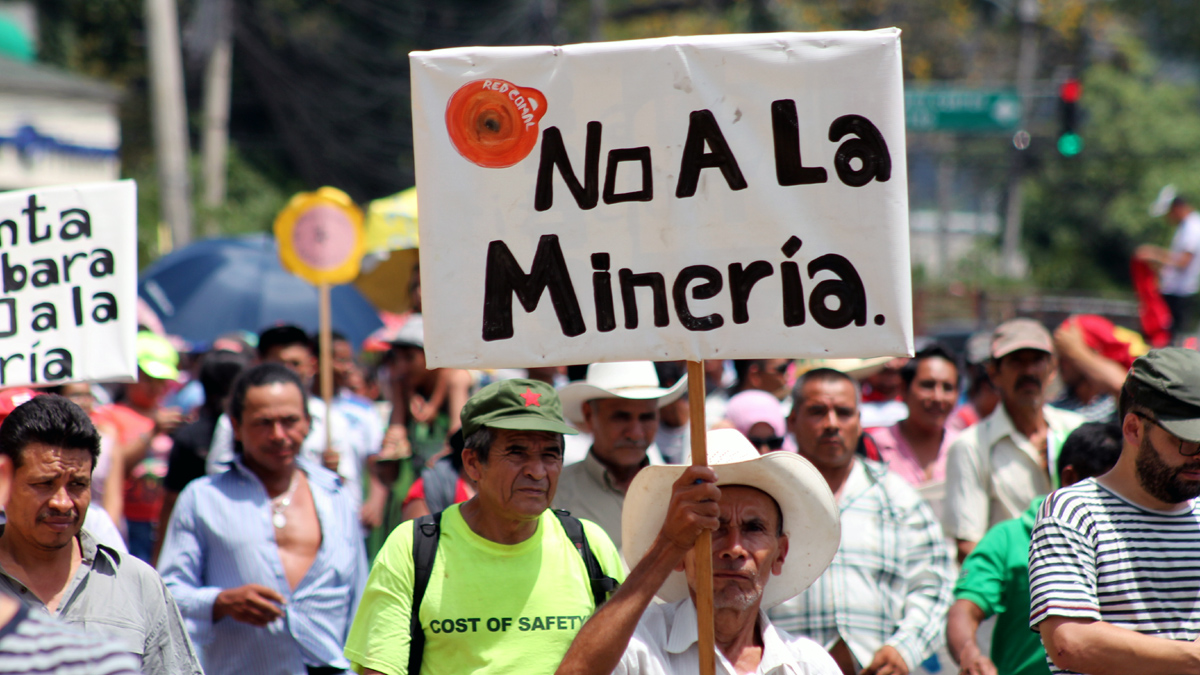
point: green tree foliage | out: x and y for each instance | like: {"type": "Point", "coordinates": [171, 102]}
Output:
{"type": "Point", "coordinates": [1084, 215]}
{"type": "Point", "coordinates": [252, 204]}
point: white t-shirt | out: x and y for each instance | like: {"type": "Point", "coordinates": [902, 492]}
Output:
{"type": "Point", "coordinates": [1184, 280]}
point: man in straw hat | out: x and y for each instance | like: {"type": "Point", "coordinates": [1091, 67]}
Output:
{"type": "Point", "coordinates": [619, 402]}
{"type": "Point", "coordinates": [509, 584]}
{"type": "Point", "coordinates": [754, 506]}
{"type": "Point", "coordinates": [1113, 560]}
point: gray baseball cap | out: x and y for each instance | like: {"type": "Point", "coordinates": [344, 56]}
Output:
{"type": "Point", "coordinates": [1170, 388]}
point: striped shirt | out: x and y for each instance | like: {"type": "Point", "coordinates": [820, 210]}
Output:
{"type": "Point", "coordinates": [890, 582]}
{"type": "Point", "coordinates": [35, 644]}
{"type": "Point", "coordinates": [1095, 555]}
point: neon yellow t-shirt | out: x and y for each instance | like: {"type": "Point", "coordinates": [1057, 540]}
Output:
{"type": "Point", "coordinates": [488, 607]}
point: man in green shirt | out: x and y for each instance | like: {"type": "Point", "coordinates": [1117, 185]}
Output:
{"type": "Point", "coordinates": [995, 577]}
{"type": "Point", "coordinates": [508, 590]}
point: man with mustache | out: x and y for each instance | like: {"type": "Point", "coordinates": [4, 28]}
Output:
{"type": "Point", "coordinates": [53, 566]}
{"type": "Point", "coordinates": [1113, 560]}
{"type": "Point", "coordinates": [996, 468]}
{"type": "Point", "coordinates": [774, 530]}
{"type": "Point", "coordinates": [506, 585]}
{"type": "Point", "coordinates": [619, 403]}
{"type": "Point", "coordinates": [267, 558]}
{"type": "Point", "coordinates": [880, 607]}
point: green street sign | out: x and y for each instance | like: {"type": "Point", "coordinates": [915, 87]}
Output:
{"type": "Point", "coordinates": [960, 109]}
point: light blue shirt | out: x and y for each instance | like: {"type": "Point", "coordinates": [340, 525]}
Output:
{"type": "Point", "coordinates": [221, 537]}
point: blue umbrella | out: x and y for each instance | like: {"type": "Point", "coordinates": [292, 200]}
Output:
{"type": "Point", "coordinates": [217, 286]}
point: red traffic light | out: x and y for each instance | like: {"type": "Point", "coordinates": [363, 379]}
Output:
{"type": "Point", "coordinates": [1070, 91]}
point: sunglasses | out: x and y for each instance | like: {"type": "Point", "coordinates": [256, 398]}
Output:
{"type": "Point", "coordinates": [772, 442]}
{"type": "Point", "coordinates": [1186, 448]}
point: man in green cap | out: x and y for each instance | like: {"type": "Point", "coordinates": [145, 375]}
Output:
{"type": "Point", "coordinates": [508, 587]}
{"type": "Point", "coordinates": [1114, 562]}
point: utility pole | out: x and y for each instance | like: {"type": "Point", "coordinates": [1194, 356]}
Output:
{"type": "Point", "coordinates": [169, 112]}
{"type": "Point", "coordinates": [1027, 13]}
{"type": "Point", "coordinates": [218, 82]}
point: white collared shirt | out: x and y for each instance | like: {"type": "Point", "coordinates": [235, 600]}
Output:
{"type": "Point", "coordinates": [993, 472]}
{"type": "Point", "coordinates": [665, 641]}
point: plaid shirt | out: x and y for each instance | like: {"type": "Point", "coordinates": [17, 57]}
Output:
{"type": "Point", "coordinates": [890, 582]}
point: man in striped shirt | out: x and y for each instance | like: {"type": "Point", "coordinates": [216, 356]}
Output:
{"type": "Point", "coordinates": [1114, 562]}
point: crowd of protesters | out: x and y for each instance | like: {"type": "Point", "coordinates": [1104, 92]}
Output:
{"type": "Point", "coordinates": [868, 516]}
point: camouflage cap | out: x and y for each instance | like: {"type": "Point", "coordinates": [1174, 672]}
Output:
{"type": "Point", "coordinates": [524, 405]}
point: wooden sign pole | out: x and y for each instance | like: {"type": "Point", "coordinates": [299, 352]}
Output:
{"type": "Point", "coordinates": [325, 337]}
{"type": "Point", "coordinates": [703, 550]}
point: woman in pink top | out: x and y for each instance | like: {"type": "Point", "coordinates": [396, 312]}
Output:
{"type": "Point", "coordinates": [915, 448]}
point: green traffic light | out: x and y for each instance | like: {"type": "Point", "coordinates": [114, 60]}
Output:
{"type": "Point", "coordinates": [1069, 144]}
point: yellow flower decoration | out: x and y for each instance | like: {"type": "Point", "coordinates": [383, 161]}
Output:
{"type": "Point", "coordinates": [321, 237]}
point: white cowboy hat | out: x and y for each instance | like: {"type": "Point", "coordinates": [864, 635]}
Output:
{"type": "Point", "coordinates": [636, 380]}
{"type": "Point", "coordinates": [811, 517]}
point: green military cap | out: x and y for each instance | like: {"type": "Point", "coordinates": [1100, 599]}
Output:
{"type": "Point", "coordinates": [523, 405]}
{"type": "Point", "coordinates": [1170, 387]}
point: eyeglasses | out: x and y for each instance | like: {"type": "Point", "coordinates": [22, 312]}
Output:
{"type": "Point", "coordinates": [1186, 448]}
{"type": "Point", "coordinates": [782, 368]}
{"type": "Point", "coordinates": [772, 442]}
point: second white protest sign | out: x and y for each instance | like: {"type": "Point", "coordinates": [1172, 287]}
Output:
{"type": "Point", "coordinates": [680, 198]}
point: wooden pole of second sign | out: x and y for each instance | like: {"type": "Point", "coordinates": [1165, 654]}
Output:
{"type": "Point", "coordinates": [703, 550]}
{"type": "Point", "coordinates": [325, 338]}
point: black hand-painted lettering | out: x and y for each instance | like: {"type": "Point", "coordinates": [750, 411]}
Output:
{"type": "Point", "coordinates": [847, 288]}
{"type": "Point", "coordinates": [504, 278]}
{"type": "Point", "coordinates": [10, 327]}
{"type": "Point", "coordinates": [869, 148]}
{"type": "Point", "coordinates": [658, 287]}
{"type": "Point", "coordinates": [711, 286]}
{"type": "Point", "coordinates": [606, 316]}
{"type": "Point", "coordinates": [78, 226]}
{"type": "Point", "coordinates": [741, 281]}
{"type": "Point", "coordinates": [793, 294]}
{"type": "Point", "coordinates": [554, 154]}
{"type": "Point", "coordinates": [789, 168]}
{"type": "Point", "coordinates": [31, 211]}
{"type": "Point", "coordinates": [703, 129]}
{"type": "Point", "coordinates": [615, 157]}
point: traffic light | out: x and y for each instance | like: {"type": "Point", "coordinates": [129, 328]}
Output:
{"type": "Point", "coordinates": [1069, 141]}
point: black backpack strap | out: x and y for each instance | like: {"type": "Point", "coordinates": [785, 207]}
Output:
{"type": "Point", "coordinates": [601, 583]}
{"type": "Point", "coordinates": [426, 531]}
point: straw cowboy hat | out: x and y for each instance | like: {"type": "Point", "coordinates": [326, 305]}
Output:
{"type": "Point", "coordinates": [810, 515]}
{"type": "Point", "coordinates": [626, 379]}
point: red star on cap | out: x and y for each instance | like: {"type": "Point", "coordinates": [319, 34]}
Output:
{"type": "Point", "coordinates": [531, 398]}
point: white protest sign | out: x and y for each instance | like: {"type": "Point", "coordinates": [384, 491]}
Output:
{"type": "Point", "coordinates": [737, 196]}
{"type": "Point", "coordinates": [68, 276]}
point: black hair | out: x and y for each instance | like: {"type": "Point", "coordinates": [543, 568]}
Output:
{"type": "Point", "coordinates": [908, 372]}
{"type": "Point", "coordinates": [669, 372]}
{"type": "Point", "coordinates": [821, 375]}
{"type": "Point", "coordinates": [456, 450]}
{"type": "Point", "coordinates": [978, 377]}
{"type": "Point", "coordinates": [1092, 449]}
{"type": "Point", "coordinates": [283, 336]}
{"type": "Point", "coordinates": [741, 368]}
{"type": "Point", "coordinates": [1178, 202]}
{"type": "Point", "coordinates": [261, 376]}
{"type": "Point", "coordinates": [218, 371]}
{"type": "Point", "coordinates": [50, 420]}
